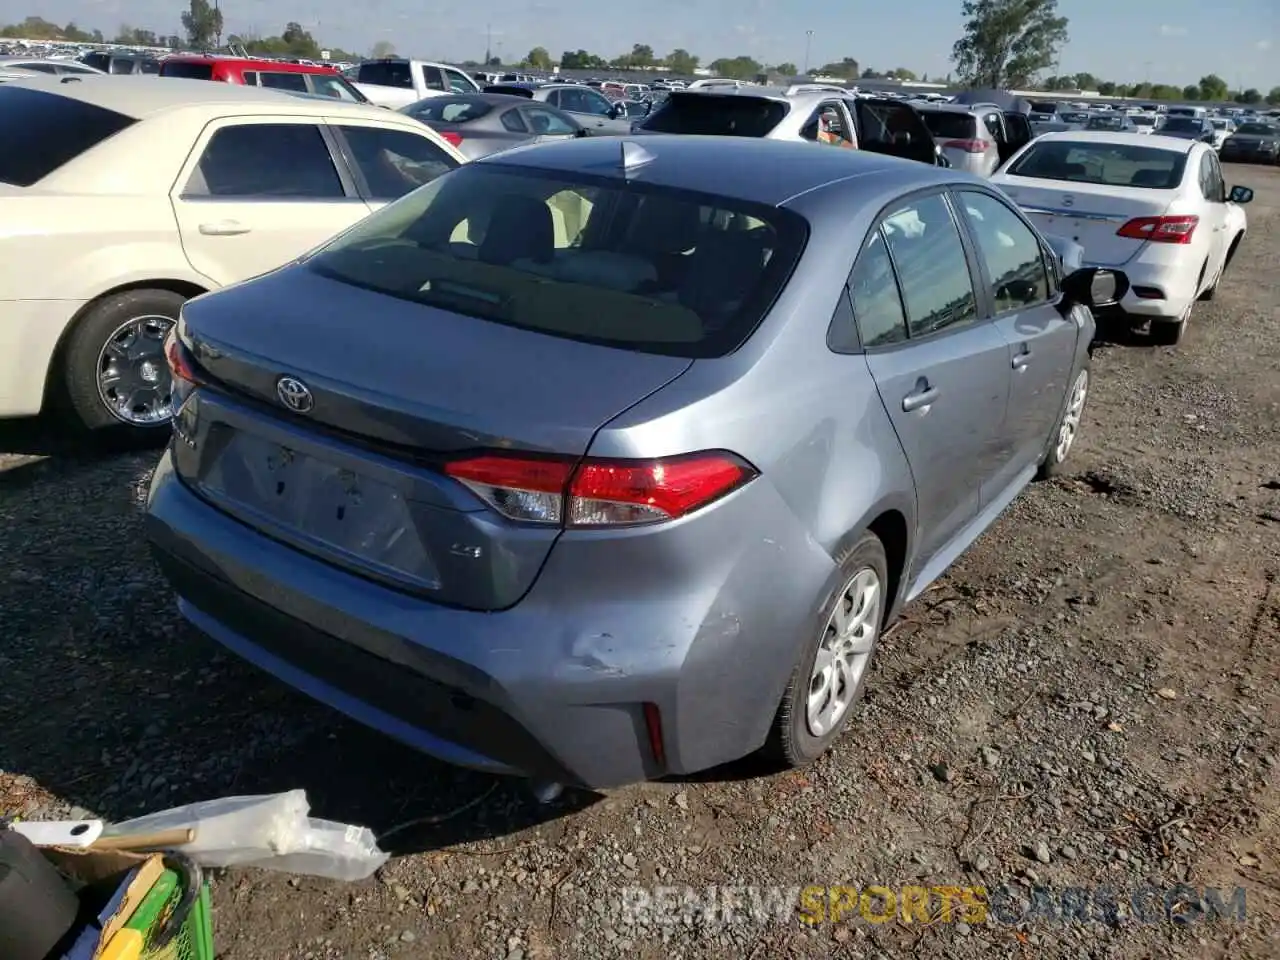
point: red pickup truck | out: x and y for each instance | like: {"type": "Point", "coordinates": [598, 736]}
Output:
{"type": "Point", "coordinates": [309, 78]}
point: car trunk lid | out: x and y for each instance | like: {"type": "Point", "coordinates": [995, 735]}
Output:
{"type": "Point", "coordinates": [1089, 214]}
{"type": "Point", "coordinates": [393, 390]}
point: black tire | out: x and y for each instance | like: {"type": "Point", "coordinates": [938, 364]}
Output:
{"type": "Point", "coordinates": [1055, 456]}
{"type": "Point", "coordinates": [84, 349]}
{"type": "Point", "coordinates": [790, 740]}
{"type": "Point", "coordinates": [1211, 291]}
{"type": "Point", "coordinates": [1167, 333]}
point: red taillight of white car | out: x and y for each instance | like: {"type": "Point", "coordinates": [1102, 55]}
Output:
{"type": "Point", "coordinates": [597, 492]}
{"type": "Point", "coordinates": [1160, 229]}
{"type": "Point", "coordinates": [969, 146]}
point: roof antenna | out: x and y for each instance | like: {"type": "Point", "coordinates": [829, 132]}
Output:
{"type": "Point", "coordinates": [634, 157]}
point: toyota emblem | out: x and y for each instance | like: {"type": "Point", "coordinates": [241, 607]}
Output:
{"type": "Point", "coordinates": [295, 395]}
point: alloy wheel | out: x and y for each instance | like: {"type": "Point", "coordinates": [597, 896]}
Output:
{"type": "Point", "coordinates": [844, 652]}
{"type": "Point", "coordinates": [133, 375]}
{"type": "Point", "coordinates": [1071, 418]}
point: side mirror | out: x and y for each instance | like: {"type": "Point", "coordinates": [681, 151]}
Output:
{"type": "Point", "coordinates": [582, 132]}
{"type": "Point", "coordinates": [1094, 287]}
{"type": "Point", "coordinates": [1240, 195]}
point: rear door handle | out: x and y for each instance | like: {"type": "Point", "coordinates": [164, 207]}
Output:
{"type": "Point", "coordinates": [223, 228]}
{"type": "Point", "coordinates": [923, 397]}
{"type": "Point", "coordinates": [1021, 360]}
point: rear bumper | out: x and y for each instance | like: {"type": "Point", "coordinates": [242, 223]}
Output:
{"type": "Point", "coordinates": [1150, 271]}
{"type": "Point", "coordinates": [554, 687]}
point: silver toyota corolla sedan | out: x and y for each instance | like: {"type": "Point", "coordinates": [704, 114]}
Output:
{"type": "Point", "coordinates": [611, 459]}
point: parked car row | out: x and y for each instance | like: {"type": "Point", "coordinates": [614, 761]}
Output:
{"type": "Point", "coordinates": [501, 452]}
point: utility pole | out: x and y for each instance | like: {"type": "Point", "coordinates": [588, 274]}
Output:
{"type": "Point", "coordinates": [808, 42]}
{"type": "Point", "coordinates": [488, 43]}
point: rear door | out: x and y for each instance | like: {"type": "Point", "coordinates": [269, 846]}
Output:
{"type": "Point", "coordinates": [892, 127]}
{"type": "Point", "coordinates": [1018, 130]}
{"type": "Point", "coordinates": [258, 192]}
{"type": "Point", "coordinates": [591, 109]}
{"type": "Point", "coordinates": [942, 372]}
{"type": "Point", "coordinates": [1021, 291]}
{"type": "Point", "coordinates": [1214, 214]}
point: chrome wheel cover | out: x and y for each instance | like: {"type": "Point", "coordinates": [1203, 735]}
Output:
{"type": "Point", "coordinates": [1071, 418]}
{"type": "Point", "coordinates": [133, 376]}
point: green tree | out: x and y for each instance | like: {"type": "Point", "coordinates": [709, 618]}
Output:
{"type": "Point", "coordinates": [681, 61]}
{"type": "Point", "coordinates": [902, 73]}
{"type": "Point", "coordinates": [1163, 91]}
{"type": "Point", "coordinates": [787, 69]}
{"type": "Point", "coordinates": [581, 60]}
{"type": "Point", "coordinates": [203, 24]}
{"type": "Point", "coordinates": [846, 68]}
{"type": "Point", "coordinates": [641, 56]}
{"type": "Point", "coordinates": [1252, 95]}
{"type": "Point", "coordinates": [33, 28]}
{"type": "Point", "coordinates": [383, 48]}
{"type": "Point", "coordinates": [1007, 42]}
{"type": "Point", "coordinates": [1107, 88]}
{"type": "Point", "coordinates": [1085, 81]}
{"type": "Point", "coordinates": [1191, 92]}
{"type": "Point", "coordinates": [735, 68]}
{"type": "Point", "coordinates": [538, 59]}
{"type": "Point", "coordinates": [1213, 87]}
{"type": "Point", "coordinates": [1274, 96]}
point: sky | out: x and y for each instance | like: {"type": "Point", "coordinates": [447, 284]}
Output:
{"type": "Point", "coordinates": [1171, 41]}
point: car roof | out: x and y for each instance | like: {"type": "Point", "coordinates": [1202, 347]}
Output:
{"type": "Point", "coordinates": [143, 97]}
{"type": "Point", "coordinates": [761, 92]}
{"type": "Point", "coordinates": [969, 108]}
{"type": "Point", "coordinates": [496, 99]}
{"type": "Point", "coordinates": [757, 170]}
{"type": "Point", "coordinates": [1127, 139]}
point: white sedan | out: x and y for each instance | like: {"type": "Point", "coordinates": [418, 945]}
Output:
{"type": "Point", "coordinates": [124, 199]}
{"type": "Point", "coordinates": [1155, 207]}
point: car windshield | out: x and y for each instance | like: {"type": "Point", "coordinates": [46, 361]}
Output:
{"type": "Point", "coordinates": [448, 109]}
{"type": "Point", "coordinates": [950, 124]}
{"type": "Point", "coordinates": [1105, 123]}
{"type": "Point", "coordinates": [719, 115]}
{"type": "Point", "coordinates": [43, 131]}
{"type": "Point", "coordinates": [591, 258]}
{"type": "Point", "coordinates": [1041, 106]}
{"type": "Point", "coordinates": [1259, 129]}
{"type": "Point", "coordinates": [1113, 164]}
{"type": "Point", "coordinates": [1182, 125]}
{"type": "Point", "coordinates": [1073, 117]}
{"type": "Point", "coordinates": [191, 71]}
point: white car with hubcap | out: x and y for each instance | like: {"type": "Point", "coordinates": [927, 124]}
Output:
{"type": "Point", "coordinates": [120, 200]}
{"type": "Point", "coordinates": [1155, 207]}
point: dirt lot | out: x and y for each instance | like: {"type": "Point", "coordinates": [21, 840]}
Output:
{"type": "Point", "coordinates": [1083, 701]}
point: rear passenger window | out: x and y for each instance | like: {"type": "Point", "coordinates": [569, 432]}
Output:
{"type": "Point", "coordinates": [395, 162]}
{"type": "Point", "coordinates": [1009, 251]}
{"type": "Point", "coordinates": [932, 268]}
{"type": "Point", "coordinates": [386, 73]}
{"type": "Point", "coordinates": [266, 161]}
{"type": "Point", "coordinates": [877, 305]}
{"type": "Point", "coordinates": [295, 82]}
{"type": "Point", "coordinates": [42, 131]}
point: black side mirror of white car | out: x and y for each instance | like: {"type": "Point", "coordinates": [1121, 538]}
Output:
{"type": "Point", "coordinates": [1093, 287]}
{"type": "Point", "coordinates": [1240, 195]}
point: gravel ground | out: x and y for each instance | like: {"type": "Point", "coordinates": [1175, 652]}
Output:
{"type": "Point", "coordinates": [1081, 702]}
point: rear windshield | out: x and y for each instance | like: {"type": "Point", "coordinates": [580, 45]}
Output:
{"type": "Point", "coordinates": [1105, 123]}
{"type": "Point", "coordinates": [1182, 125]}
{"type": "Point", "coordinates": [448, 109]}
{"type": "Point", "coordinates": [1114, 164]}
{"type": "Point", "coordinates": [1043, 106]}
{"type": "Point", "coordinates": [1073, 117]}
{"type": "Point", "coordinates": [1143, 121]}
{"type": "Point", "coordinates": [623, 264]}
{"type": "Point", "coordinates": [191, 71]}
{"type": "Point", "coordinates": [43, 131]}
{"type": "Point", "coordinates": [1259, 129]}
{"type": "Point", "coordinates": [950, 125]}
{"type": "Point", "coordinates": [99, 61]}
{"type": "Point", "coordinates": [389, 73]}
{"type": "Point", "coordinates": [709, 114]}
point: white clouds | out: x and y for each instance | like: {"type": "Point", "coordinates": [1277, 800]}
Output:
{"type": "Point", "coordinates": [1170, 30]}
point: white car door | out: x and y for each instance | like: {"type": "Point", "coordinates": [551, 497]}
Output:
{"type": "Point", "coordinates": [259, 191]}
{"type": "Point", "coordinates": [1213, 216]}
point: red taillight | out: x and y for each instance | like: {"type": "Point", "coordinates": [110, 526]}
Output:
{"type": "Point", "coordinates": [1160, 229]}
{"type": "Point", "coordinates": [453, 139]}
{"type": "Point", "coordinates": [969, 146]}
{"type": "Point", "coordinates": [596, 493]}
{"type": "Point", "coordinates": [181, 364]}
